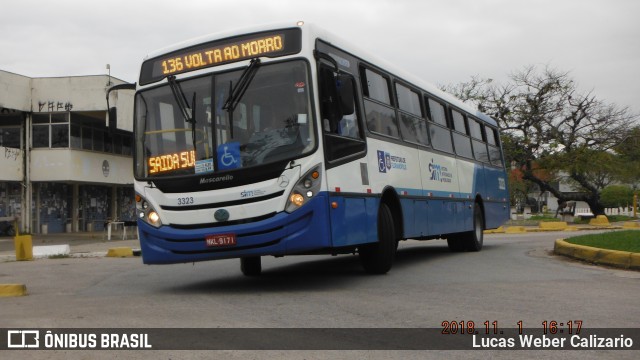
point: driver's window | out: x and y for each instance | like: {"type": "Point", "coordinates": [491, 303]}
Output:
{"type": "Point", "coordinates": [343, 125]}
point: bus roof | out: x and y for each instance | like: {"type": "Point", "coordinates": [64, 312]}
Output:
{"type": "Point", "coordinates": [311, 32]}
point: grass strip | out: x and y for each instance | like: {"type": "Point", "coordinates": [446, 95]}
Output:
{"type": "Point", "coordinates": [627, 240]}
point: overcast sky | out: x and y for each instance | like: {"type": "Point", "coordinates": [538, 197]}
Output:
{"type": "Point", "coordinates": [441, 41]}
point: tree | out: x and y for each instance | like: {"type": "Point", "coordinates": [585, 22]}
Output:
{"type": "Point", "coordinates": [629, 152]}
{"type": "Point", "coordinates": [547, 124]}
{"type": "Point", "coordinates": [617, 196]}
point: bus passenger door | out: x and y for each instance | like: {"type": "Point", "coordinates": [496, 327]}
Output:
{"type": "Point", "coordinates": [344, 145]}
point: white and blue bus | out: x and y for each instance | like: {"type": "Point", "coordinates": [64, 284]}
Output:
{"type": "Point", "coordinates": [286, 140]}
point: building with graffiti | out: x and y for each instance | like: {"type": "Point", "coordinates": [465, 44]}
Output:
{"type": "Point", "coordinates": [65, 166]}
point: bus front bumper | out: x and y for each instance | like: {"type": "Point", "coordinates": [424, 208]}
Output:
{"type": "Point", "coordinates": [303, 231]}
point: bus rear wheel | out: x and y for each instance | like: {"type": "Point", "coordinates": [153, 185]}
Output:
{"type": "Point", "coordinates": [471, 240]}
{"type": "Point", "coordinates": [251, 266]}
{"type": "Point", "coordinates": [377, 258]}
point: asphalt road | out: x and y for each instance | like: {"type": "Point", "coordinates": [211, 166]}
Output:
{"type": "Point", "coordinates": [514, 278]}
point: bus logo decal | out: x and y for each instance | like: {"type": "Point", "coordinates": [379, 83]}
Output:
{"type": "Point", "coordinates": [216, 179]}
{"type": "Point", "coordinates": [386, 162]}
{"type": "Point", "coordinates": [283, 181]}
{"type": "Point", "coordinates": [439, 173]}
{"type": "Point", "coordinates": [221, 215]}
{"type": "Point", "coordinates": [229, 156]}
{"type": "Point", "coordinates": [382, 164]}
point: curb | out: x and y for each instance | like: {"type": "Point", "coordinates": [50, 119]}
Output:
{"type": "Point", "coordinates": [631, 225]}
{"type": "Point", "coordinates": [517, 229]}
{"type": "Point", "coordinates": [120, 252]}
{"type": "Point", "coordinates": [620, 259]}
{"type": "Point", "coordinates": [7, 290]}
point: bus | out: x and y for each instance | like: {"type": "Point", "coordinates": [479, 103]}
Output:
{"type": "Point", "coordinates": [286, 140]}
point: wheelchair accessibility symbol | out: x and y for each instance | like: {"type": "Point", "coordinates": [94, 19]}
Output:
{"type": "Point", "coordinates": [384, 161]}
{"type": "Point", "coordinates": [229, 156]}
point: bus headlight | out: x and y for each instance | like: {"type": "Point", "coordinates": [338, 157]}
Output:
{"type": "Point", "coordinates": [305, 189]}
{"type": "Point", "coordinates": [296, 199]}
{"type": "Point", "coordinates": [146, 212]}
{"type": "Point", "coordinates": [153, 218]}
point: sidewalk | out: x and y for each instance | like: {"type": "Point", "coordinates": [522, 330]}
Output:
{"type": "Point", "coordinates": [80, 243]}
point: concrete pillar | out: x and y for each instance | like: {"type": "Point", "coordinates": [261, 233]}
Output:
{"type": "Point", "coordinates": [75, 208]}
{"type": "Point", "coordinates": [36, 192]}
{"type": "Point", "coordinates": [114, 202]}
{"type": "Point", "coordinates": [27, 189]}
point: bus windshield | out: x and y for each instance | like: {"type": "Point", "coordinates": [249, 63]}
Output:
{"type": "Point", "coordinates": [183, 128]}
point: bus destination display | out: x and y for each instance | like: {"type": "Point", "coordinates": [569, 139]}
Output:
{"type": "Point", "coordinates": [271, 44]}
{"type": "Point", "coordinates": [218, 55]}
{"type": "Point", "coordinates": [170, 162]}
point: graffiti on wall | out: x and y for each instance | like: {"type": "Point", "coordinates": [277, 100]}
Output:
{"type": "Point", "coordinates": [11, 153]}
{"type": "Point", "coordinates": [52, 106]}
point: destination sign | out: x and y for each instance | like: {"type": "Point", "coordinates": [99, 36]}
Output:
{"type": "Point", "coordinates": [170, 162]}
{"type": "Point", "coordinates": [218, 52]}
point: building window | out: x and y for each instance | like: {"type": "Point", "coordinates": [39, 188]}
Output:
{"type": "Point", "coordinates": [84, 132]}
{"type": "Point", "coordinates": [11, 130]}
{"type": "Point", "coordinates": [88, 132]}
{"type": "Point", "coordinates": [50, 130]}
{"type": "Point", "coordinates": [59, 135]}
{"type": "Point", "coordinates": [40, 136]}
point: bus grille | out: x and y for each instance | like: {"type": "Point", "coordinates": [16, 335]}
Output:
{"type": "Point", "coordinates": [226, 223]}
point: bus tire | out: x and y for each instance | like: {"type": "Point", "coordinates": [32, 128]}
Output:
{"type": "Point", "coordinates": [377, 258]}
{"type": "Point", "coordinates": [471, 240]}
{"type": "Point", "coordinates": [251, 266]}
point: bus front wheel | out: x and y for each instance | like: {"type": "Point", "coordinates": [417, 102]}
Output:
{"type": "Point", "coordinates": [251, 266]}
{"type": "Point", "coordinates": [377, 258]}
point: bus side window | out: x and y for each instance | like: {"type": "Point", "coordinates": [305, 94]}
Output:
{"type": "Point", "coordinates": [438, 131]}
{"type": "Point", "coordinates": [493, 141]}
{"type": "Point", "coordinates": [478, 141]}
{"type": "Point", "coordinates": [380, 115]}
{"type": "Point", "coordinates": [437, 112]}
{"type": "Point", "coordinates": [413, 127]}
{"type": "Point", "coordinates": [461, 141]}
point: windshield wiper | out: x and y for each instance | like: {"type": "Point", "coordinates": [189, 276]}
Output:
{"type": "Point", "coordinates": [181, 99]}
{"type": "Point", "coordinates": [188, 112]}
{"type": "Point", "coordinates": [236, 93]}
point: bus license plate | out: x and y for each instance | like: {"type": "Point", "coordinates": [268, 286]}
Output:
{"type": "Point", "coordinates": [221, 240]}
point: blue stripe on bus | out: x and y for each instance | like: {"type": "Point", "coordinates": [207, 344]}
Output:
{"type": "Point", "coordinates": [304, 230]}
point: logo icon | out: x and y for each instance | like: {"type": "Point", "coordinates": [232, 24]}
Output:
{"type": "Point", "coordinates": [283, 181]}
{"type": "Point", "coordinates": [439, 172]}
{"type": "Point", "coordinates": [23, 339]}
{"type": "Point", "coordinates": [221, 215]}
{"type": "Point", "coordinates": [229, 156]}
{"type": "Point", "coordinates": [105, 168]}
{"type": "Point", "coordinates": [382, 163]}
{"type": "Point", "coordinates": [387, 161]}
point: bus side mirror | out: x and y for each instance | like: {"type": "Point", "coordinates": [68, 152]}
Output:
{"type": "Point", "coordinates": [344, 84]}
{"type": "Point", "coordinates": [330, 105]}
{"type": "Point", "coordinates": [113, 119]}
